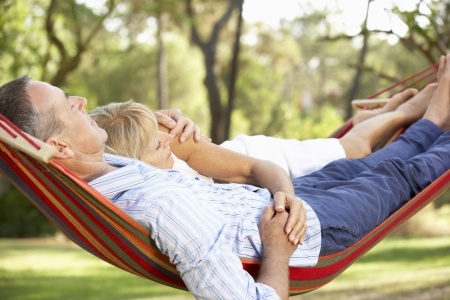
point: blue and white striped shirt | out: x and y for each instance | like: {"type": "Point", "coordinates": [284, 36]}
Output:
{"type": "Point", "coordinates": [203, 228]}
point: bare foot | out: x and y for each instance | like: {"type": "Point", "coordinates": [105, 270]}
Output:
{"type": "Point", "coordinates": [394, 102]}
{"type": "Point", "coordinates": [438, 111]}
{"type": "Point", "coordinates": [415, 108]}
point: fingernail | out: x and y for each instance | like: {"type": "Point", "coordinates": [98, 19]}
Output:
{"type": "Point", "coordinates": [289, 230]}
{"type": "Point", "coordinates": [296, 242]}
{"type": "Point", "coordinates": [279, 206]}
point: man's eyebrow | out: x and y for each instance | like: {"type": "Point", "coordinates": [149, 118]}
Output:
{"type": "Point", "coordinates": [66, 95]}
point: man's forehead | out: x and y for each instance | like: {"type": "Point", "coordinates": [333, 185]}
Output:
{"type": "Point", "coordinates": [43, 94]}
{"type": "Point", "coordinates": [40, 86]}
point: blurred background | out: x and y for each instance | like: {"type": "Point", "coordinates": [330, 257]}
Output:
{"type": "Point", "coordinates": [285, 68]}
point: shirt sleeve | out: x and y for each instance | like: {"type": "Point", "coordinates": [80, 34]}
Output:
{"type": "Point", "coordinates": [197, 240]}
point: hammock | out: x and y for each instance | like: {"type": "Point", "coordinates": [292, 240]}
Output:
{"type": "Point", "coordinates": [104, 230]}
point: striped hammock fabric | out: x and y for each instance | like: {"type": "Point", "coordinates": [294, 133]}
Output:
{"type": "Point", "coordinates": [104, 230]}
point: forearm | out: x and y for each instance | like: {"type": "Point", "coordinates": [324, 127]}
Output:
{"type": "Point", "coordinates": [274, 269]}
{"type": "Point", "coordinates": [274, 272]}
{"type": "Point", "coordinates": [232, 167]}
{"type": "Point", "coordinates": [269, 175]}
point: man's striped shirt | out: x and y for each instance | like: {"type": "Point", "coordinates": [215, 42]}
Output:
{"type": "Point", "coordinates": [203, 228]}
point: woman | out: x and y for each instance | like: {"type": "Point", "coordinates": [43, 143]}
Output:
{"type": "Point", "coordinates": [133, 132]}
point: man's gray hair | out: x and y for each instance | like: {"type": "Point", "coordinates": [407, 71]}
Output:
{"type": "Point", "coordinates": [16, 105]}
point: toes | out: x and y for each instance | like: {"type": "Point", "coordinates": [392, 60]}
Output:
{"type": "Point", "coordinates": [405, 95]}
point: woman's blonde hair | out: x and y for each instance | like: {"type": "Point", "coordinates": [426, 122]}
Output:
{"type": "Point", "coordinates": [130, 127]}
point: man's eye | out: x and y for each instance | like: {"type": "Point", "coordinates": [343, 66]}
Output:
{"type": "Point", "coordinates": [159, 145]}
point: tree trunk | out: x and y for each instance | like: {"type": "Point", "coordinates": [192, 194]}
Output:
{"type": "Point", "coordinates": [360, 66]}
{"type": "Point", "coordinates": [208, 47]}
{"type": "Point", "coordinates": [161, 70]}
{"type": "Point", "coordinates": [233, 73]}
{"type": "Point", "coordinates": [214, 97]}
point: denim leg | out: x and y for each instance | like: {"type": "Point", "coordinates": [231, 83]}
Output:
{"type": "Point", "coordinates": [417, 139]}
{"type": "Point", "coordinates": [348, 210]}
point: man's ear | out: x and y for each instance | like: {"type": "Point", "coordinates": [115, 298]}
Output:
{"type": "Point", "coordinates": [63, 150]}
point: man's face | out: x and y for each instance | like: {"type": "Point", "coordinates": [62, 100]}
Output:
{"type": "Point", "coordinates": [79, 132]}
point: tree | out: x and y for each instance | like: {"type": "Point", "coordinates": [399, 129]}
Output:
{"type": "Point", "coordinates": [163, 13]}
{"type": "Point", "coordinates": [208, 47]}
{"type": "Point", "coordinates": [82, 24]}
{"type": "Point", "coordinates": [428, 33]}
{"type": "Point", "coordinates": [360, 65]}
{"type": "Point", "coordinates": [428, 28]}
{"type": "Point", "coordinates": [233, 72]}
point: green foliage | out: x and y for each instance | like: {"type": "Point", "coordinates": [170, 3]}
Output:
{"type": "Point", "coordinates": [21, 39]}
{"type": "Point", "coordinates": [19, 218]}
{"type": "Point", "coordinates": [257, 92]}
{"type": "Point", "coordinates": [444, 199]}
{"type": "Point", "coordinates": [121, 74]}
{"type": "Point", "coordinates": [316, 124]}
{"type": "Point", "coordinates": [428, 27]}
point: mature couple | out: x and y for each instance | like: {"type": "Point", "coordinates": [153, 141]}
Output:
{"type": "Point", "coordinates": [205, 227]}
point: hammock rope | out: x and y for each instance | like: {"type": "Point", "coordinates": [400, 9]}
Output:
{"type": "Point", "coordinates": [415, 80]}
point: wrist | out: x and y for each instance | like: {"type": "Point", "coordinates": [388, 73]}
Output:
{"type": "Point", "coordinates": [276, 255]}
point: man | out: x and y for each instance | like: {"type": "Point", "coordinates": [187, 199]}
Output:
{"type": "Point", "coordinates": [201, 227]}
{"type": "Point", "coordinates": [51, 115]}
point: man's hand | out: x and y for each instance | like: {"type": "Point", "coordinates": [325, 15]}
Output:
{"type": "Point", "coordinates": [296, 223]}
{"type": "Point", "coordinates": [273, 237]}
{"type": "Point", "coordinates": [178, 124]}
{"type": "Point", "coordinates": [277, 250]}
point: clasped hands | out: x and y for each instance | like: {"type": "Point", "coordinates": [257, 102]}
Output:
{"type": "Point", "coordinates": [282, 226]}
{"type": "Point", "coordinates": [178, 124]}
{"type": "Point", "coordinates": [295, 227]}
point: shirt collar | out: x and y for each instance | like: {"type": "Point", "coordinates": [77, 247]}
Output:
{"type": "Point", "coordinates": [119, 180]}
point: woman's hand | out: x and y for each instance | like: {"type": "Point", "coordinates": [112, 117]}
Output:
{"type": "Point", "coordinates": [296, 224]}
{"type": "Point", "coordinates": [178, 124]}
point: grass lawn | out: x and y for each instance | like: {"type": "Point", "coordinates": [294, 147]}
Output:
{"type": "Point", "coordinates": [47, 269]}
{"type": "Point", "coordinates": [397, 268]}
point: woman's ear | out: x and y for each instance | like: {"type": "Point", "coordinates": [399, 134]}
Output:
{"type": "Point", "coordinates": [63, 150]}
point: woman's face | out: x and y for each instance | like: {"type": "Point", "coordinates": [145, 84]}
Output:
{"type": "Point", "coordinates": [158, 152]}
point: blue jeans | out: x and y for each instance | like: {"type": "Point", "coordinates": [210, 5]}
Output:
{"type": "Point", "coordinates": [351, 197]}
